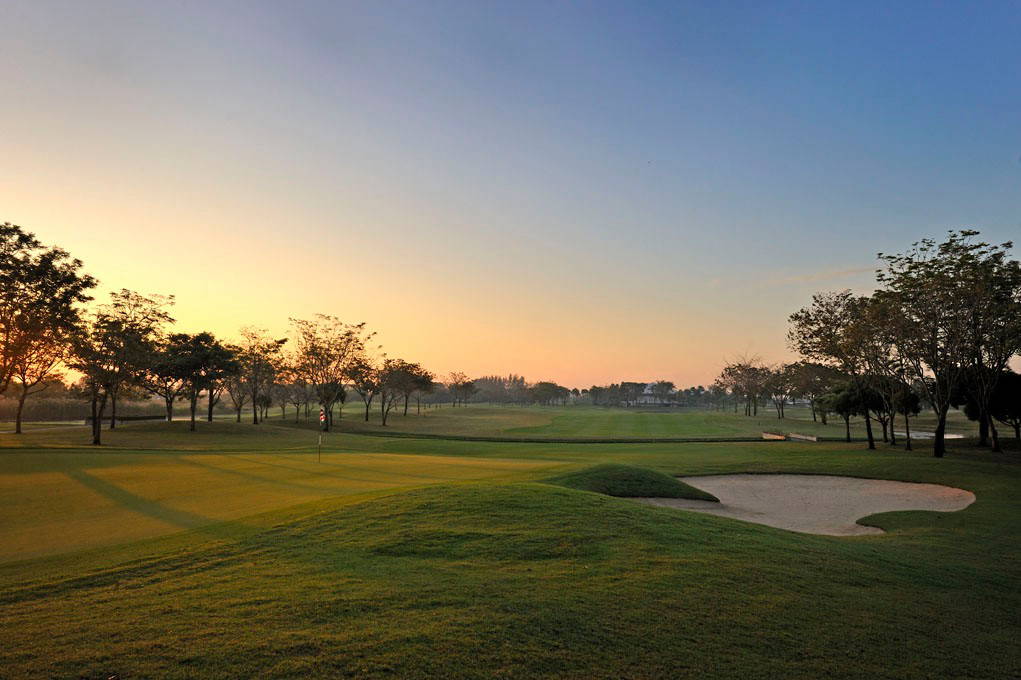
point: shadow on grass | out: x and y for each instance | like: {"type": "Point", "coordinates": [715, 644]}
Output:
{"type": "Point", "coordinates": [142, 506]}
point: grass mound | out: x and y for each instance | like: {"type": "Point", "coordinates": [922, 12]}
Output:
{"type": "Point", "coordinates": [628, 481]}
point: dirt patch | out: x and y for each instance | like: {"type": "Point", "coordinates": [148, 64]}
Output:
{"type": "Point", "coordinates": [815, 504]}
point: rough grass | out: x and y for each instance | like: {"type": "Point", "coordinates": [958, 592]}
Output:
{"type": "Point", "coordinates": [628, 481]}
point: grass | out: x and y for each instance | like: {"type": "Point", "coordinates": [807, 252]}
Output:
{"type": "Point", "coordinates": [588, 423]}
{"type": "Point", "coordinates": [231, 552]}
{"type": "Point", "coordinates": [628, 481]}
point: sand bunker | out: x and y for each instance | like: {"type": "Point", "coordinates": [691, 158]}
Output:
{"type": "Point", "coordinates": [815, 504]}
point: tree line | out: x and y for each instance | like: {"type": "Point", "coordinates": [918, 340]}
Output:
{"type": "Point", "coordinates": [941, 329]}
{"type": "Point", "coordinates": [127, 347]}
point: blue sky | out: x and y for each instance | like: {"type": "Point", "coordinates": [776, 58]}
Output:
{"type": "Point", "coordinates": [491, 183]}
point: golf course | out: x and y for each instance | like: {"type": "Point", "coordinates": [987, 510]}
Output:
{"type": "Point", "coordinates": [243, 551]}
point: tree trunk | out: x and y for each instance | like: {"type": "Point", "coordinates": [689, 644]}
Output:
{"type": "Point", "coordinates": [868, 430]}
{"type": "Point", "coordinates": [239, 414]}
{"type": "Point", "coordinates": [194, 407]}
{"type": "Point", "coordinates": [1017, 431]}
{"type": "Point", "coordinates": [812, 405]}
{"type": "Point", "coordinates": [113, 410]}
{"type": "Point", "coordinates": [97, 422]}
{"type": "Point", "coordinates": [170, 409]}
{"type": "Point", "coordinates": [983, 429]}
{"type": "Point", "coordinates": [893, 435]}
{"type": "Point", "coordinates": [96, 426]}
{"type": "Point", "coordinates": [255, 407]}
{"type": "Point", "coordinates": [17, 415]}
{"type": "Point", "coordinates": [406, 397]}
{"type": "Point", "coordinates": [368, 405]}
{"type": "Point", "coordinates": [995, 436]}
{"type": "Point", "coordinates": [907, 432]}
{"type": "Point", "coordinates": [211, 404]}
{"type": "Point", "coordinates": [939, 444]}
{"type": "Point", "coordinates": [847, 428]}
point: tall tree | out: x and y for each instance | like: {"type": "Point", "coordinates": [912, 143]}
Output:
{"type": "Point", "coordinates": [41, 289]}
{"type": "Point", "coordinates": [238, 390]}
{"type": "Point", "coordinates": [37, 368]}
{"type": "Point", "coordinates": [425, 383]}
{"type": "Point", "coordinates": [950, 301]}
{"type": "Point", "coordinates": [323, 350]}
{"type": "Point", "coordinates": [835, 330]}
{"type": "Point", "coordinates": [364, 376]}
{"type": "Point", "coordinates": [397, 380]}
{"type": "Point", "coordinates": [91, 355]}
{"type": "Point", "coordinates": [164, 372]}
{"type": "Point", "coordinates": [258, 355]}
{"type": "Point", "coordinates": [222, 365]}
{"type": "Point", "coordinates": [197, 360]}
{"type": "Point", "coordinates": [133, 325]}
{"type": "Point", "coordinates": [456, 385]}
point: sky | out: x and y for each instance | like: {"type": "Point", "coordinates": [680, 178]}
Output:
{"type": "Point", "coordinates": [583, 192]}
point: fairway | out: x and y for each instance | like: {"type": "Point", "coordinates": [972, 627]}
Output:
{"type": "Point", "coordinates": [234, 552]}
{"type": "Point", "coordinates": [586, 423]}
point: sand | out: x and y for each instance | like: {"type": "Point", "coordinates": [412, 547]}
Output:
{"type": "Point", "coordinates": [814, 504]}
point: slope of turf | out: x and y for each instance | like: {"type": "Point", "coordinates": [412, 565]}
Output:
{"type": "Point", "coordinates": [629, 481]}
{"type": "Point", "coordinates": [488, 580]}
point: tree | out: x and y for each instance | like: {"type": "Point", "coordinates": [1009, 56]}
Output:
{"type": "Point", "coordinates": [164, 374]}
{"type": "Point", "coordinates": [396, 380]}
{"type": "Point", "coordinates": [811, 381]}
{"type": "Point", "coordinates": [132, 325]}
{"type": "Point", "coordinates": [746, 380]}
{"type": "Point", "coordinates": [258, 356]}
{"type": "Point", "coordinates": [949, 301]}
{"type": "Point", "coordinates": [835, 330]}
{"type": "Point", "coordinates": [238, 390]}
{"type": "Point", "coordinates": [37, 368]}
{"type": "Point", "coordinates": [460, 387]}
{"type": "Point", "coordinates": [842, 401]}
{"type": "Point", "coordinates": [364, 377]}
{"type": "Point", "coordinates": [548, 392]}
{"type": "Point", "coordinates": [198, 361]}
{"type": "Point", "coordinates": [1005, 404]}
{"type": "Point", "coordinates": [92, 349]}
{"type": "Point", "coordinates": [324, 348]}
{"type": "Point", "coordinates": [221, 365]}
{"type": "Point", "coordinates": [996, 331]}
{"type": "Point", "coordinates": [40, 291]}
{"type": "Point", "coordinates": [424, 384]}
{"type": "Point", "coordinates": [299, 394]}
{"type": "Point", "coordinates": [631, 392]}
{"type": "Point", "coordinates": [661, 390]}
{"type": "Point", "coordinates": [781, 385]}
